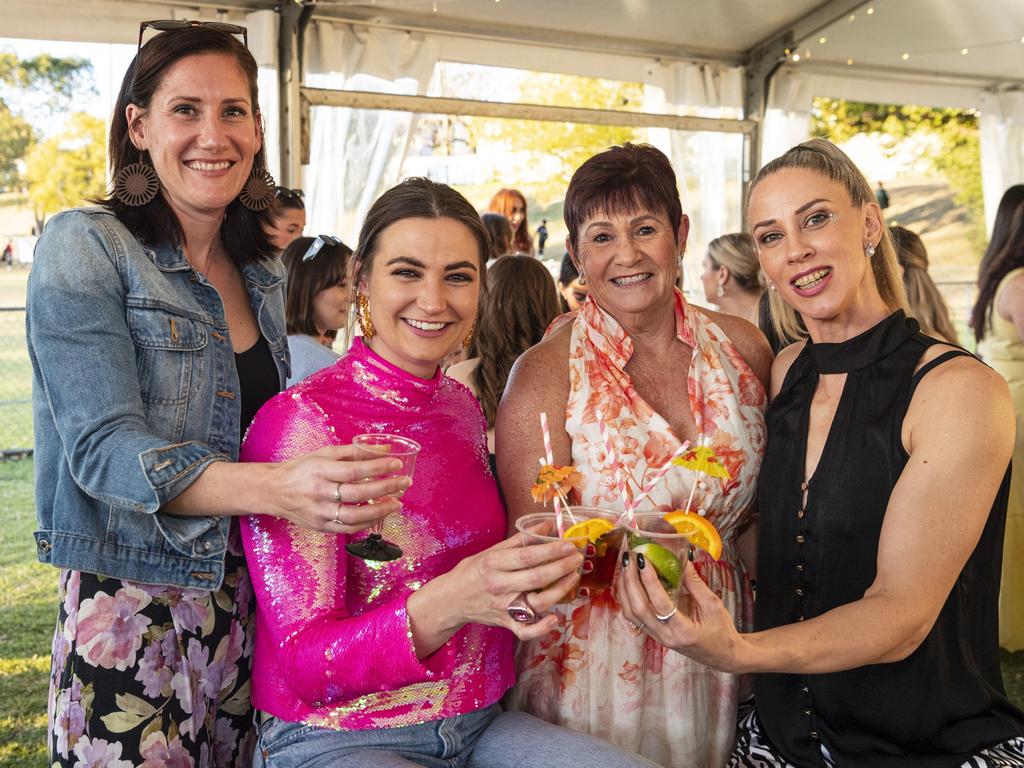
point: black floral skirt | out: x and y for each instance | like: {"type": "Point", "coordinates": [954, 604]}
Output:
{"type": "Point", "coordinates": [150, 676]}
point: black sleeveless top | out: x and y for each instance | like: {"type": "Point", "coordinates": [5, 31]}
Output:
{"type": "Point", "coordinates": [944, 702]}
{"type": "Point", "coordinates": [257, 381]}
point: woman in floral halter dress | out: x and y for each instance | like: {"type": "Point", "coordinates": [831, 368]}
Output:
{"type": "Point", "coordinates": [657, 372]}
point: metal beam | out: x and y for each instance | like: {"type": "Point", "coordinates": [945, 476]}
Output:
{"type": "Point", "coordinates": [294, 18]}
{"type": "Point", "coordinates": [324, 97]}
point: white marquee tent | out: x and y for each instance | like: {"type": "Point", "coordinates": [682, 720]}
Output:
{"type": "Point", "coordinates": [737, 76]}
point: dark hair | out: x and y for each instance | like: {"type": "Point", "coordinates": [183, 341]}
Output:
{"type": "Point", "coordinates": [926, 303]}
{"type": "Point", "coordinates": [499, 229]}
{"type": "Point", "coordinates": [290, 198]}
{"type": "Point", "coordinates": [568, 272]}
{"type": "Point", "coordinates": [625, 178]}
{"type": "Point", "coordinates": [518, 306]}
{"type": "Point", "coordinates": [241, 233]}
{"type": "Point", "coordinates": [502, 202]}
{"type": "Point", "coordinates": [1005, 253]}
{"type": "Point", "coordinates": [307, 278]}
{"type": "Point", "coordinates": [414, 198]}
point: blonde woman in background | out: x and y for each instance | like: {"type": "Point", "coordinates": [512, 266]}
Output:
{"type": "Point", "coordinates": [926, 303]}
{"type": "Point", "coordinates": [732, 277]}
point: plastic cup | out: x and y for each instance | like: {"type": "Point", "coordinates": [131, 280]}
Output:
{"type": "Point", "coordinates": [664, 549]}
{"type": "Point", "coordinates": [608, 545]}
{"type": "Point", "coordinates": [541, 528]}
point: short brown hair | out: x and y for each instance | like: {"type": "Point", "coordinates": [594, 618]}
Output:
{"type": "Point", "coordinates": [622, 178]}
{"type": "Point", "coordinates": [307, 278]}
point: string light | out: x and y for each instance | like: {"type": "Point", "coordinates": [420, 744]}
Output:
{"type": "Point", "coordinates": [796, 57]}
{"type": "Point", "coordinates": [905, 56]}
{"type": "Point", "coordinates": [435, 7]}
{"type": "Point", "coordinates": [870, 11]}
{"type": "Point", "coordinates": [851, 17]}
{"type": "Point", "coordinates": [822, 40]}
{"type": "Point", "coordinates": [849, 62]}
{"type": "Point", "coordinates": [963, 51]}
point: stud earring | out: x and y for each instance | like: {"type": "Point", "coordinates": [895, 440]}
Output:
{"type": "Point", "coordinates": [582, 279]}
{"type": "Point", "coordinates": [136, 184]}
{"type": "Point", "coordinates": [259, 191]}
{"type": "Point", "coordinates": [869, 250]}
{"type": "Point", "coordinates": [363, 317]}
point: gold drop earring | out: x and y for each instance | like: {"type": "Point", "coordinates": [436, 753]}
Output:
{"type": "Point", "coordinates": [363, 317]}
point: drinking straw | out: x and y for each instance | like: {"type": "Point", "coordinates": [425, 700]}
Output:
{"type": "Point", "coordinates": [661, 471]}
{"type": "Point", "coordinates": [616, 466]}
{"type": "Point", "coordinates": [550, 457]}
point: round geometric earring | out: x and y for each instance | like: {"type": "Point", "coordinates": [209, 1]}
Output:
{"type": "Point", "coordinates": [259, 192]}
{"type": "Point", "coordinates": [136, 184]}
{"type": "Point", "coordinates": [869, 250]}
{"type": "Point", "coordinates": [363, 317]}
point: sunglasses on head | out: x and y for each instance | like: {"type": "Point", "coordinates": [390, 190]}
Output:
{"type": "Point", "coordinates": [283, 193]}
{"type": "Point", "coordinates": [318, 244]}
{"type": "Point", "coordinates": [167, 25]}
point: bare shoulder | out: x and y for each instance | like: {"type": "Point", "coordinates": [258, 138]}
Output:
{"type": "Point", "coordinates": [748, 339]}
{"type": "Point", "coordinates": [782, 364]}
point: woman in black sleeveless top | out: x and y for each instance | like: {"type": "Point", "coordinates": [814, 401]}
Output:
{"type": "Point", "coordinates": [882, 504]}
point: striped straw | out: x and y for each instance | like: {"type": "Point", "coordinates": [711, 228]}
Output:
{"type": "Point", "coordinates": [615, 466]}
{"type": "Point", "coordinates": [661, 471]}
{"type": "Point", "coordinates": [550, 457]}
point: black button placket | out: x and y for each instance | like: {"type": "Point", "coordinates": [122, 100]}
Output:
{"type": "Point", "coordinates": [801, 592]}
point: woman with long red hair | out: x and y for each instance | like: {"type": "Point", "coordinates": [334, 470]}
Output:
{"type": "Point", "coordinates": [511, 204]}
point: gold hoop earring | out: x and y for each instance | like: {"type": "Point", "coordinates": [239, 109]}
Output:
{"type": "Point", "coordinates": [363, 317]}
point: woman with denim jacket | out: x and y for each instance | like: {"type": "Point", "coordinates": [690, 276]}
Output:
{"type": "Point", "coordinates": [156, 330]}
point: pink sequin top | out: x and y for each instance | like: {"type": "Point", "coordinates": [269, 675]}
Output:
{"type": "Point", "coordinates": [333, 641]}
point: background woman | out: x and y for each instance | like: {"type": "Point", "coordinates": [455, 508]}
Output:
{"type": "Point", "coordinates": [500, 231]}
{"type": "Point", "coordinates": [573, 293]}
{"type": "Point", "coordinates": [882, 501]}
{"type": "Point", "coordinates": [520, 303]}
{"type": "Point", "coordinates": [926, 303]}
{"type": "Point", "coordinates": [156, 331]}
{"type": "Point", "coordinates": [998, 323]}
{"type": "Point", "coordinates": [511, 204]}
{"type": "Point", "coordinates": [289, 217]}
{"type": "Point", "coordinates": [317, 301]}
{"type": "Point", "coordinates": [401, 663]}
{"type": "Point", "coordinates": [732, 277]}
{"type": "Point", "coordinates": [656, 372]}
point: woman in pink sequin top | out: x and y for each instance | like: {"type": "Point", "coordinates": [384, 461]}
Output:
{"type": "Point", "coordinates": [401, 663]}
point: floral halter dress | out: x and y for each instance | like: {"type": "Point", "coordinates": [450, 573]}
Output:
{"type": "Point", "coordinates": [593, 673]}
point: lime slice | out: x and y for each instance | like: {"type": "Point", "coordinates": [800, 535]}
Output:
{"type": "Point", "coordinates": [665, 563]}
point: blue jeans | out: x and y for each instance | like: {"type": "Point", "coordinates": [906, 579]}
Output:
{"type": "Point", "coordinates": [487, 738]}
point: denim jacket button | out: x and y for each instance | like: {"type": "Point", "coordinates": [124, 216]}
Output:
{"type": "Point", "coordinates": [44, 545]}
{"type": "Point", "coordinates": [207, 546]}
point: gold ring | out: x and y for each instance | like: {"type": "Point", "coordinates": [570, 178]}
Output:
{"type": "Point", "coordinates": [337, 494]}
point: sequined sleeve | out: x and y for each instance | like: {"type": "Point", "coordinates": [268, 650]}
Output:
{"type": "Point", "coordinates": [325, 652]}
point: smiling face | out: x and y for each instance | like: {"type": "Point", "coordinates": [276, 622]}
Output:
{"type": "Point", "coordinates": [288, 226]}
{"type": "Point", "coordinates": [330, 307]}
{"type": "Point", "coordinates": [422, 289]}
{"type": "Point", "coordinates": [201, 132]}
{"type": "Point", "coordinates": [630, 260]}
{"type": "Point", "coordinates": [811, 243]}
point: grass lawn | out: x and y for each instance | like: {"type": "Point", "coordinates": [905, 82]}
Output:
{"type": "Point", "coordinates": [28, 605]}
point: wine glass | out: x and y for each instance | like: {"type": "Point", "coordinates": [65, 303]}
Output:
{"type": "Point", "coordinates": [376, 446]}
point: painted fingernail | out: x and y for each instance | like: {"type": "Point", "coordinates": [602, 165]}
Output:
{"type": "Point", "coordinates": [583, 592]}
{"type": "Point", "coordinates": [625, 559]}
{"type": "Point", "coordinates": [590, 550]}
{"type": "Point", "coordinates": [640, 562]}
{"type": "Point", "coordinates": [588, 566]}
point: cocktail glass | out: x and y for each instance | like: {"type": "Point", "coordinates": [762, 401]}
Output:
{"type": "Point", "coordinates": [607, 544]}
{"type": "Point", "coordinates": [376, 446]}
{"type": "Point", "coordinates": [541, 528]}
{"type": "Point", "coordinates": [663, 547]}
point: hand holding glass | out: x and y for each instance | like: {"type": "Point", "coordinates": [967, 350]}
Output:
{"type": "Point", "coordinates": [376, 446]}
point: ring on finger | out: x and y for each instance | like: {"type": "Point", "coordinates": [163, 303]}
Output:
{"type": "Point", "coordinates": [521, 611]}
{"type": "Point", "coordinates": [337, 516]}
{"type": "Point", "coordinates": [668, 615]}
{"type": "Point", "coordinates": [337, 494]}
{"type": "Point", "coordinates": [638, 628]}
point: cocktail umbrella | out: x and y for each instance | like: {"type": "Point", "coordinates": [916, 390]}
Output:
{"type": "Point", "coordinates": [704, 461]}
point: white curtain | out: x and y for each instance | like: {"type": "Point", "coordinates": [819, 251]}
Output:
{"type": "Point", "coordinates": [262, 26]}
{"type": "Point", "coordinates": [787, 121]}
{"type": "Point", "coordinates": [1002, 147]}
{"type": "Point", "coordinates": [708, 165]}
{"type": "Point", "coordinates": [357, 154]}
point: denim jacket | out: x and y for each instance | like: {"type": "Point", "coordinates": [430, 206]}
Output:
{"type": "Point", "coordinates": [134, 394]}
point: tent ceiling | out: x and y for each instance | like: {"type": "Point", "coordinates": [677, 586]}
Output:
{"type": "Point", "coordinates": [932, 32]}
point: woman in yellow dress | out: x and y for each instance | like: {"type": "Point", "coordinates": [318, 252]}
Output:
{"type": "Point", "coordinates": [998, 322]}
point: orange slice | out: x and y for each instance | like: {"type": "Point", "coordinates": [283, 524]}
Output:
{"type": "Point", "coordinates": [593, 529]}
{"type": "Point", "coordinates": [702, 532]}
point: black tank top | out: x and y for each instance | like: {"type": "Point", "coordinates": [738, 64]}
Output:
{"type": "Point", "coordinates": [945, 701]}
{"type": "Point", "coordinates": [258, 381]}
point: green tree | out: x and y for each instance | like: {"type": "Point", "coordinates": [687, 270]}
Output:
{"type": "Point", "coordinates": [958, 159]}
{"type": "Point", "coordinates": [67, 169]}
{"type": "Point", "coordinates": [41, 87]}
{"type": "Point", "coordinates": [570, 143]}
